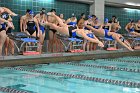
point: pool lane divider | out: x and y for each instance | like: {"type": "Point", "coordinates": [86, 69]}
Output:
{"type": "Point", "coordinates": [119, 60]}
{"type": "Point", "coordinates": [11, 90]}
{"type": "Point", "coordinates": [104, 67]}
{"type": "Point", "coordinates": [83, 77]}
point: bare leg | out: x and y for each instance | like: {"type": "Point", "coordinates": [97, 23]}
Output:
{"type": "Point", "coordinates": [94, 40]}
{"type": "Point", "coordinates": [137, 34]}
{"type": "Point", "coordinates": [84, 45]}
{"type": "Point", "coordinates": [12, 46]}
{"type": "Point", "coordinates": [6, 46]}
{"type": "Point", "coordinates": [2, 40]}
{"type": "Point", "coordinates": [117, 38]}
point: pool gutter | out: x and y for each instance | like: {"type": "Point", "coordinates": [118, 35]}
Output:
{"type": "Point", "coordinates": [62, 57]}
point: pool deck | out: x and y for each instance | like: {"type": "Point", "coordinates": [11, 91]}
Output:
{"type": "Point", "coordinates": [6, 61]}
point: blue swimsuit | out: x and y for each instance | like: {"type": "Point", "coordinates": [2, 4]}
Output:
{"type": "Point", "coordinates": [42, 28]}
{"type": "Point", "coordinates": [106, 34]}
{"type": "Point", "coordinates": [74, 35]}
{"type": "Point", "coordinates": [96, 27]}
{"type": "Point", "coordinates": [131, 29]}
{"type": "Point", "coordinates": [3, 27]}
{"type": "Point", "coordinates": [72, 24]}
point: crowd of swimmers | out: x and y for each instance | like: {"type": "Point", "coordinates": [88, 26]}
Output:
{"type": "Point", "coordinates": [89, 30]}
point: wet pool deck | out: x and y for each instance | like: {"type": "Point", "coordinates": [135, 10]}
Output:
{"type": "Point", "coordinates": [63, 57]}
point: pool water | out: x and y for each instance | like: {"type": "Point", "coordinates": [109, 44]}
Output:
{"type": "Point", "coordinates": [35, 78]}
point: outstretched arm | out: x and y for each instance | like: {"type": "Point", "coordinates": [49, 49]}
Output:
{"type": "Point", "coordinates": [9, 11]}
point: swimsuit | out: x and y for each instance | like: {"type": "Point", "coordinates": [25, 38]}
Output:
{"type": "Point", "coordinates": [106, 34]}
{"type": "Point", "coordinates": [106, 27]}
{"type": "Point", "coordinates": [96, 27]}
{"type": "Point", "coordinates": [74, 35]}
{"type": "Point", "coordinates": [31, 27]}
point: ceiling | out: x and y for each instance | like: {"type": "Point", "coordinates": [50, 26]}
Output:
{"type": "Point", "coordinates": [128, 2]}
{"type": "Point", "coordinates": [117, 3]}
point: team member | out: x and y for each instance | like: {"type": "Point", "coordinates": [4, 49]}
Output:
{"type": "Point", "coordinates": [106, 25]}
{"type": "Point", "coordinates": [22, 19]}
{"type": "Point", "coordinates": [72, 31]}
{"type": "Point", "coordinates": [31, 24]}
{"type": "Point", "coordinates": [137, 27]}
{"type": "Point", "coordinates": [52, 33]}
{"type": "Point", "coordinates": [9, 44]}
{"type": "Point", "coordinates": [60, 45]}
{"type": "Point", "coordinates": [105, 33]}
{"type": "Point", "coordinates": [86, 43]}
{"type": "Point", "coordinates": [62, 18]}
{"type": "Point", "coordinates": [130, 28]}
{"type": "Point", "coordinates": [96, 24]}
{"type": "Point", "coordinates": [3, 26]}
{"type": "Point", "coordinates": [42, 18]}
{"type": "Point", "coordinates": [81, 21]}
{"type": "Point", "coordinates": [72, 21]}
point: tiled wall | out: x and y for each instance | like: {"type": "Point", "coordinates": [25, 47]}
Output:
{"type": "Point", "coordinates": [123, 14]}
{"type": "Point", "coordinates": [67, 8]}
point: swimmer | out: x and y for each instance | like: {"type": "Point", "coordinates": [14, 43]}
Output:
{"type": "Point", "coordinates": [86, 43]}
{"type": "Point", "coordinates": [105, 33]}
{"type": "Point", "coordinates": [130, 28]}
{"type": "Point", "coordinates": [52, 33]}
{"type": "Point", "coordinates": [41, 18]}
{"type": "Point", "coordinates": [72, 31]}
{"type": "Point", "coordinates": [9, 44]}
{"type": "Point", "coordinates": [22, 19]}
{"type": "Point", "coordinates": [31, 24]}
{"type": "Point", "coordinates": [137, 27]}
{"type": "Point", "coordinates": [81, 21]}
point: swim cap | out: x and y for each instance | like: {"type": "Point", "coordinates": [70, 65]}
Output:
{"type": "Point", "coordinates": [43, 10]}
{"type": "Point", "coordinates": [73, 15]}
{"type": "Point", "coordinates": [53, 10]}
{"type": "Point", "coordinates": [28, 10]}
{"type": "Point", "coordinates": [31, 12]}
{"type": "Point", "coordinates": [5, 16]}
{"type": "Point", "coordinates": [89, 16]}
{"type": "Point", "coordinates": [106, 20]}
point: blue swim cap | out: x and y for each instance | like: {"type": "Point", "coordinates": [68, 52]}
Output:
{"type": "Point", "coordinates": [106, 20]}
{"type": "Point", "coordinates": [89, 17]}
{"type": "Point", "coordinates": [31, 12]}
{"type": "Point", "coordinates": [5, 16]}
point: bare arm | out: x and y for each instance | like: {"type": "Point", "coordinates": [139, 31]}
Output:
{"type": "Point", "coordinates": [126, 28]}
{"type": "Point", "coordinates": [3, 20]}
{"type": "Point", "coordinates": [109, 27]}
{"type": "Point", "coordinates": [9, 11]}
{"type": "Point", "coordinates": [37, 25]}
{"type": "Point", "coordinates": [24, 25]}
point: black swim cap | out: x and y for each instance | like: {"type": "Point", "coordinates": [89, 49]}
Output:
{"type": "Point", "coordinates": [53, 10]}
{"type": "Point", "coordinates": [28, 10]}
{"type": "Point", "coordinates": [43, 11]}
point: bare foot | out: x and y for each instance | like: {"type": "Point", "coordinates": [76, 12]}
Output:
{"type": "Point", "coordinates": [100, 44]}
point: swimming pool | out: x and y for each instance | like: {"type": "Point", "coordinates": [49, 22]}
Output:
{"type": "Point", "coordinates": [119, 75]}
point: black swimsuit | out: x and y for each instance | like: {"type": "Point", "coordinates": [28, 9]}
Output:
{"type": "Point", "coordinates": [31, 27]}
{"type": "Point", "coordinates": [54, 31]}
{"type": "Point", "coordinates": [138, 30]}
{"type": "Point", "coordinates": [106, 27]}
{"type": "Point", "coordinates": [73, 34]}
